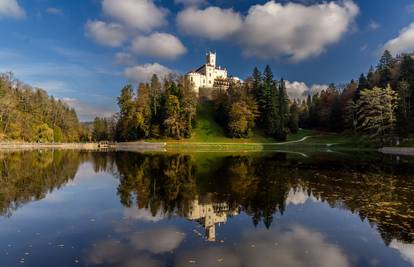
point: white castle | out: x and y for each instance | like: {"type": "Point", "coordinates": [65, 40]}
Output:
{"type": "Point", "coordinates": [209, 75]}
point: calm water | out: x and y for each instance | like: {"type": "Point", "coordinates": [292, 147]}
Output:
{"type": "Point", "coordinates": [68, 208]}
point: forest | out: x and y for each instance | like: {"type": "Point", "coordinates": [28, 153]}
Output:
{"type": "Point", "coordinates": [29, 114]}
{"type": "Point", "coordinates": [378, 106]}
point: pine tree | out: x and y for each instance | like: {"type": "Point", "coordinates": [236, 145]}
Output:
{"type": "Point", "coordinates": [362, 85]}
{"type": "Point", "coordinates": [256, 83]}
{"type": "Point", "coordinates": [294, 118]}
{"type": "Point", "coordinates": [283, 110]}
{"type": "Point", "coordinates": [384, 69]}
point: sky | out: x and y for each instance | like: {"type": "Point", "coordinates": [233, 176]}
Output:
{"type": "Point", "coordinates": [85, 51]}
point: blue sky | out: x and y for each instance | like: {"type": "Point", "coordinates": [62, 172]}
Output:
{"type": "Point", "coordinates": [84, 51]}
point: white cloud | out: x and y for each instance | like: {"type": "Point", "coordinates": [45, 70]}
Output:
{"type": "Point", "coordinates": [299, 90]}
{"type": "Point", "coordinates": [142, 73]}
{"type": "Point", "coordinates": [140, 14]}
{"type": "Point", "coordinates": [54, 11]}
{"type": "Point", "coordinates": [295, 31]}
{"type": "Point", "coordinates": [124, 58]}
{"type": "Point", "coordinates": [212, 23]}
{"type": "Point", "coordinates": [110, 34]}
{"type": "Point", "coordinates": [11, 8]}
{"type": "Point", "coordinates": [161, 45]}
{"type": "Point", "coordinates": [85, 111]}
{"type": "Point", "coordinates": [373, 25]}
{"type": "Point", "coordinates": [190, 2]}
{"type": "Point", "coordinates": [403, 43]}
{"type": "Point", "coordinates": [406, 250]}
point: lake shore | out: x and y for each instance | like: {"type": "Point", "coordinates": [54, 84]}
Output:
{"type": "Point", "coordinates": [26, 145]}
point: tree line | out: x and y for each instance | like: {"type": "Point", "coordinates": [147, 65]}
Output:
{"type": "Point", "coordinates": [380, 105]}
{"type": "Point", "coordinates": [169, 108]}
{"type": "Point", "coordinates": [29, 114]}
{"type": "Point", "coordinates": [155, 109]}
{"type": "Point", "coordinates": [261, 102]}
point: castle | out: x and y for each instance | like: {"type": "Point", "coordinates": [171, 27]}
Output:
{"type": "Point", "coordinates": [209, 75]}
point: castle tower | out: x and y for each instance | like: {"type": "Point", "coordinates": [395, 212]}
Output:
{"type": "Point", "coordinates": [211, 59]}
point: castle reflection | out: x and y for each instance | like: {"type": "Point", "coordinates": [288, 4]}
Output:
{"type": "Point", "coordinates": [209, 214]}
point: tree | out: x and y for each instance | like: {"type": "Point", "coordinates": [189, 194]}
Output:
{"type": "Point", "coordinates": [376, 112]}
{"type": "Point", "coordinates": [403, 110]}
{"type": "Point", "coordinates": [283, 110]}
{"type": "Point", "coordinates": [384, 68]}
{"type": "Point", "coordinates": [241, 120]}
{"type": "Point", "coordinates": [43, 133]}
{"type": "Point", "coordinates": [294, 118]}
{"type": "Point", "coordinates": [173, 124]}
{"type": "Point", "coordinates": [100, 129]}
{"type": "Point", "coordinates": [362, 85]}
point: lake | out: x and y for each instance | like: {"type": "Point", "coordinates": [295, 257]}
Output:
{"type": "Point", "coordinates": [72, 208]}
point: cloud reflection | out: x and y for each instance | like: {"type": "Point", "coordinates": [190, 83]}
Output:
{"type": "Point", "coordinates": [136, 249]}
{"type": "Point", "coordinates": [299, 196]}
{"type": "Point", "coordinates": [406, 250]}
{"type": "Point", "coordinates": [142, 215]}
{"type": "Point", "coordinates": [158, 240]}
{"type": "Point", "coordinates": [292, 247]}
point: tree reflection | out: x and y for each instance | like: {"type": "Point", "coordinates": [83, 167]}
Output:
{"type": "Point", "coordinates": [260, 185]}
{"type": "Point", "coordinates": [28, 176]}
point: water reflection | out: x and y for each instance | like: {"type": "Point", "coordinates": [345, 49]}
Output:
{"type": "Point", "coordinates": [285, 207]}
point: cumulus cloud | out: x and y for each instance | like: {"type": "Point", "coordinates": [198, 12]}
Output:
{"type": "Point", "coordinates": [143, 73]}
{"type": "Point", "coordinates": [161, 45]}
{"type": "Point", "coordinates": [295, 31]}
{"type": "Point", "coordinates": [213, 22]}
{"type": "Point", "coordinates": [299, 90]}
{"type": "Point", "coordinates": [12, 9]}
{"type": "Point", "coordinates": [404, 42]}
{"type": "Point", "coordinates": [190, 2]}
{"type": "Point", "coordinates": [140, 14]}
{"type": "Point", "coordinates": [110, 34]}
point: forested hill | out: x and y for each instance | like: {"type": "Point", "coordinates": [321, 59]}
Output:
{"type": "Point", "coordinates": [29, 114]}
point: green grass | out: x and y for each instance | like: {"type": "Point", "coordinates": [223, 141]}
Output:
{"type": "Point", "coordinates": [208, 135]}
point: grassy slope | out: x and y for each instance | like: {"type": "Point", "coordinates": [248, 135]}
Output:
{"type": "Point", "coordinates": [209, 131]}
{"type": "Point", "coordinates": [208, 134]}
